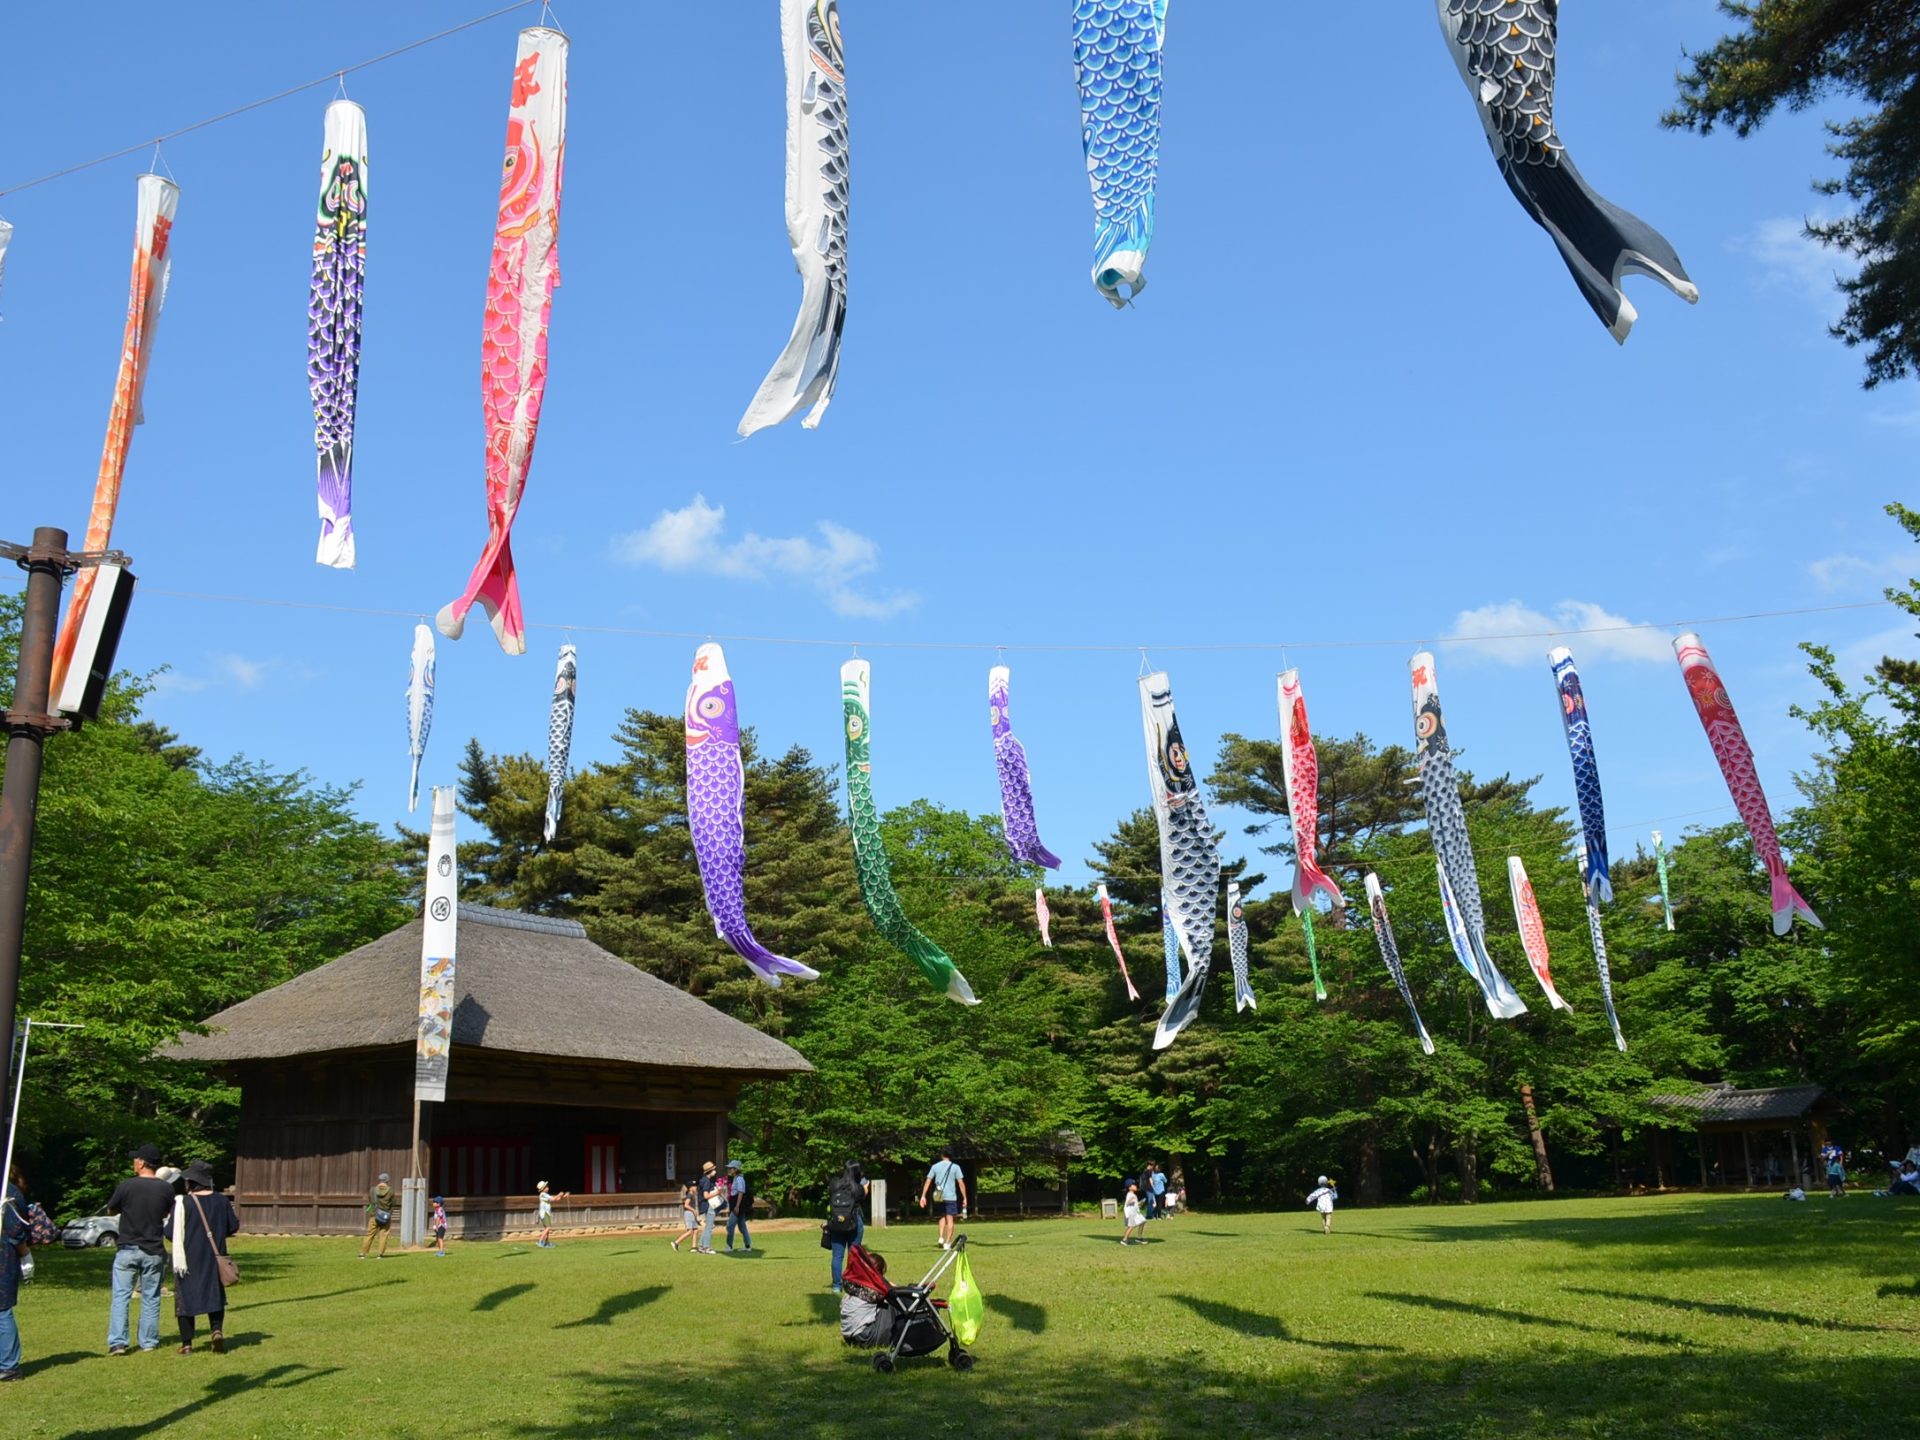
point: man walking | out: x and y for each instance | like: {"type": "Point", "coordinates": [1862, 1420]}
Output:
{"type": "Point", "coordinates": [946, 1177]}
{"type": "Point", "coordinates": [739, 1205]}
{"type": "Point", "coordinates": [1148, 1194]}
{"type": "Point", "coordinates": [143, 1204]}
{"type": "Point", "coordinates": [379, 1215]}
{"type": "Point", "coordinates": [1159, 1190]}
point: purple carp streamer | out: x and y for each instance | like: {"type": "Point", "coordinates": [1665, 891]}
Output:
{"type": "Point", "coordinates": [716, 813]}
{"type": "Point", "coordinates": [1447, 824]}
{"type": "Point", "coordinates": [817, 193]}
{"type": "Point", "coordinates": [1506, 52]}
{"type": "Point", "coordinates": [1586, 773]}
{"type": "Point", "coordinates": [1016, 785]}
{"type": "Point", "coordinates": [333, 322]}
{"type": "Point", "coordinates": [1390, 952]}
{"type": "Point", "coordinates": [419, 706]}
{"type": "Point", "coordinates": [1043, 917]}
{"type": "Point", "coordinates": [566, 690]}
{"type": "Point", "coordinates": [1533, 930]}
{"type": "Point", "coordinates": [1729, 743]}
{"type": "Point", "coordinates": [1237, 950]}
{"type": "Point", "coordinates": [1599, 938]}
{"type": "Point", "coordinates": [1189, 861]}
{"type": "Point", "coordinates": [1113, 939]}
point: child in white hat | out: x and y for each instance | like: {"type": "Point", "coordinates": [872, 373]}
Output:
{"type": "Point", "coordinates": [1322, 1200]}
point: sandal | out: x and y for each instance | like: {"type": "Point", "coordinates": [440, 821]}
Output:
{"type": "Point", "coordinates": [219, 1343]}
{"type": "Point", "coordinates": [187, 1349]}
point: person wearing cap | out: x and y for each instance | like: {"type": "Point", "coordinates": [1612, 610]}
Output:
{"type": "Point", "coordinates": [379, 1215]}
{"type": "Point", "coordinates": [438, 1220]}
{"type": "Point", "coordinates": [713, 1199]}
{"type": "Point", "coordinates": [142, 1204]}
{"type": "Point", "coordinates": [739, 1205]}
{"type": "Point", "coordinates": [1322, 1200]}
{"type": "Point", "coordinates": [197, 1232]}
{"type": "Point", "coordinates": [546, 1197]}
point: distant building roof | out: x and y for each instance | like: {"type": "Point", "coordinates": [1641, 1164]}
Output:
{"type": "Point", "coordinates": [1724, 1105]}
{"type": "Point", "coordinates": [522, 983]}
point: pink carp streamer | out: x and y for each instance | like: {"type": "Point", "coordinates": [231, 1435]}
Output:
{"type": "Point", "coordinates": [1043, 916]}
{"type": "Point", "coordinates": [1730, 748]}
{"type": "Point", "coordinates": [152, 261]}
{"type": "Point", "coordinates": [1533, 930]}
{"type": "Point", "coordinates": [513, 343]}
{"type": "Point", "coordinates": [1113, 939]}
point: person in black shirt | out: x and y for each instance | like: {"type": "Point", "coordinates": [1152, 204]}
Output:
{"type": "Point", "coordinates": [143, 1204]}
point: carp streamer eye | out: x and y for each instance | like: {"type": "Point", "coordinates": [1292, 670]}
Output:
{"type": "Point", "coordinates": [712, 707]}
{"type": "Point", "coordinates": [1424, 725]}
{"type": "Point", "coordinates": [854, 727]}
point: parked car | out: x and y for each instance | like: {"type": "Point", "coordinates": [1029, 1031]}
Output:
{"type": "Point", "coordinates": [102, 1231]}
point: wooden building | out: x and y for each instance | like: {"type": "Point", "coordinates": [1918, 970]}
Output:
{"type": "Point", "coordinates": [1739, 1130]}
{"type": "Point", "coordinates": [569, 1065]}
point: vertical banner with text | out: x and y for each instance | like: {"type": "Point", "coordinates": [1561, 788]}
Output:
{"type": "Point", "coordinates": [440, 914]}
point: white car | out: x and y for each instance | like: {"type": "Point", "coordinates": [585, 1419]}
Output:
{"type": "Point", "coordinates": [96, 1231]}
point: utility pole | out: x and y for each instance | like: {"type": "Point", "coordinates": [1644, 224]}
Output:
{"type": "Point", "coordinates": [47, 562]}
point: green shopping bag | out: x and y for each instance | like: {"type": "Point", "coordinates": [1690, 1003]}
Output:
{"type": "Point", "coordinates": [964, 1303]}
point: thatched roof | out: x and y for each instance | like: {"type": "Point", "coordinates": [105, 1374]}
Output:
{"type": "Point", "coordinates": [1723, 1105]}
{"type": "Point", "coordinates": [522, 983]}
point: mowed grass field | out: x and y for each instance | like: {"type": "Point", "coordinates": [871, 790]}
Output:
{"type": "Point", "coordinates": [1670, 1316]}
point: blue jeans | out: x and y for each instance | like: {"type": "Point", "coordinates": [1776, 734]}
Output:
{"type": "Point", "coordinates": [131, 1266]}
{"type": "Point", "coordinates": [9, 1341]}
{"type": "Point", "coordinates": [705, 1242]}
{"type": "Point", "coordinates": [840, 1247]}
{"type": "Point", "coordinates": [737, 1220]}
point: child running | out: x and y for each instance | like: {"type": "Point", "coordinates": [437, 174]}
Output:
{"type": "Point", "coordinates": [689, 1213]}
{"type": "Point", "coordinates": [1322, 1200]}
{"type": "Point", "coordinates": [1130, 1212]}
{"type": "Point", "coordinates": [545, 1219]}
{"type": "Point", "coordinates": [438, 1221]}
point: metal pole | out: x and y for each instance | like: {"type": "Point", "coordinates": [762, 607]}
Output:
{"type": "Point", "coordinates": [27, 726]}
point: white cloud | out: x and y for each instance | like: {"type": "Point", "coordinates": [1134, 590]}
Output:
{"type": "Point", "coordinates": [1789, 259]}
{"type": "Point", "coordinates": [1515, 634]}
{"type": "Point", "coordinates": [229, 672]}
{"type": "Point", "coordinates": [693, 539]}
{"type": "Point", "coordinates": [245, 673]}
{"type": "Point", "coordinates": [1857, 572]}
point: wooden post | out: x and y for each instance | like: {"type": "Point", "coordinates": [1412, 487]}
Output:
{"type": "Point", "coordinates": [1746, 1157]}
{"type": "Point", "coordinates": [1793, 1149]}
{"type": "Point", "coordinates": [1701, 1136]}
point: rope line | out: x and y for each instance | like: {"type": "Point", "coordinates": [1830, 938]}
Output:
{"type": "Point", "coordinates": [338, 74]}
{"type": "Point", "coordinates": [1223, 647]}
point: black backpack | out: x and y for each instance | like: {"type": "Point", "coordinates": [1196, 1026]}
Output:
{"type": "Point", "coordinates": [843, 1206]}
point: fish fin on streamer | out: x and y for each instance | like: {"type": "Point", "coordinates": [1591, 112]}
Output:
{"type": "Point", "coordinates": [1183, 1008]}
{"type": "Point", "coordinates": [336, 531]}
{"type": "Point", "coordinates": [1307, 879]}
{"type": "Point", "coordinates": [1602, 886]}
{"type": "Point", "coordinates": [1787, 903]}
{"type": "Point", "coordinates": [767, 965]}
{"type": "Point", "coordinates": [958, 990]}
{"type": "Point", "coordinates": [495, 588]}
{"type": "Point", "coordinates": [413, 786]}
{"type": "Point", "coordinates": [1600, 242]}
{"type": "Point", "coordinates": [808, 367]}
{"type": "Point", "coordinates": [1040, 855]}
{"type": "Point", "coordinates": [1503, 1001]}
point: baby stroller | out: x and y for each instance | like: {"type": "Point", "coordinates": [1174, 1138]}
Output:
{"type": "Point", "coordinates": [919, 1324]}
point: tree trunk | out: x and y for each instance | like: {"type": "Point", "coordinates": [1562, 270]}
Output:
{"type": "Point", "coordinates": [1367, 1191]}
{"type": "Point", "coordinates": [1466, 1154]}
{"type": "Point", "coordinates": [1540, 1165]}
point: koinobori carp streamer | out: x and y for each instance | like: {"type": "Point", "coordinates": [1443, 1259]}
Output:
{"type": "Point", "coordinates": [334, 302]}
{"type": "Point", "coordinates": [1189, 861]}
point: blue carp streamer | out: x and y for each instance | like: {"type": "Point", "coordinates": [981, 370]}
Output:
{"type": "Point", "coordinates": [1116, 53]}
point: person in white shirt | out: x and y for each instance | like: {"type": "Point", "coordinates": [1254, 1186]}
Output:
{"type": "Point", "coordinates": [1322, 1200]}
{"type": "Point", "coordinates": [1130, 1212]}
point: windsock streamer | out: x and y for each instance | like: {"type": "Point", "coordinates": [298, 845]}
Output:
{"type": "Point", "coordinates": [1116, 57]}
{"type": "Point", "coordinates": [419, 706]}
{"type": "Point", "coordinates": [1300, 772]}
{"type": "Point", "coordinates": [1730, 748]}
{"type": "Point", "coordinates": [1113, 939]}
{"type": "Point", "coordinates": [566, 690]}
{"type": "Point", "coordinates": [1043, 917]}
{"type": "Point", "coordinates": [155, 203]}
{"type": "Point", "coordinates": [1447, 825]}
{"type": "Point", "coordinates": [1533, 930]}
{"type": "Point", "coordinates": [1189, 862]}
{"type": "Point", "coordinates": [1390, 953]}
{"type": "Point", "coordinates": [1506, 51]}
{"type": "Point", "coordinates": [870, 856]}
{"type": "Point", "coordinates": [817, 184]}
{"type": "Point", "coordinates": [333, 322]}
{"type": "Point", "coordinates": [521, 279]}
{"type": "Point", "coordinates": [1660, 863]}
{"type": "Point", "coordinates": [1016, 785]}
{"type": "Point", "coordinates": [1586, 773]}
{"type": "Point", "coordinates": [716, 811]}
{"type": "Point", "coordinates": [1237, 948]}
{"type": "Point", "coordinates": [1599, 938]}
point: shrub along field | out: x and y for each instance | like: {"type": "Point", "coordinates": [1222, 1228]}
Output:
{"type": "Point", "coordinates": [1673, 1316]}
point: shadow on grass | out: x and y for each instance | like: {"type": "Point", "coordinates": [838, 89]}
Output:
{"type": "Point", "coordinates": [1021, 1314]}
{"type": "Point", "coordinates": [58, 1269]}
{"type": "Point", "coordinates": [493, 1300]}
{"type": "Point", "coordinates": [615, 1306]}
{"type": "Point", "coordinates": [1267, 1327]}
{"type": "Point", "coordinates": [251, 1306]}
{"type": "Point", "coordinates": [53, 1362]}
{"type": "Point", "coordinates": [225, 1387]}
{"type": "Point", "coordinates": [1739, 1312]}
{"type": "Point", "coordinates": [1665, 1341]}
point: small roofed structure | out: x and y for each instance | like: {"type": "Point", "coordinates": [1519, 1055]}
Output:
{"type": "Point", "coordinates": [1721, 1111]}
{"type": "Point", "coordinates": [568, 1065]}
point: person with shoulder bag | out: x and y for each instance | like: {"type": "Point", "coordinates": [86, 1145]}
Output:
{"type": "Point", "coordinates": [15, 1245]}
{"type": "Point", "coordinates": [380, 1206]}
{"type": "Point", "coordinates": [196, 1233]}
{"type": "Point", "coordinates": [846, 1225]}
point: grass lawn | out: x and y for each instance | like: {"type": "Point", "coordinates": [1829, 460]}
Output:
{"type": "Point", "coordinates": [1673, 1316]}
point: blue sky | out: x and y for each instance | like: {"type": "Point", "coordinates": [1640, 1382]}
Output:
{"type": "Point", "coordinates": [1360, 400]}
